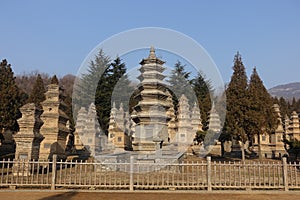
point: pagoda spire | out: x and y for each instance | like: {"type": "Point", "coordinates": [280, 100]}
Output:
{"type": "Point", "coordinates": [152, 53]}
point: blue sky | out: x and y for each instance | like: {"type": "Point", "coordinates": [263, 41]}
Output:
{"type": "Point", "coordinates": [55, 36]}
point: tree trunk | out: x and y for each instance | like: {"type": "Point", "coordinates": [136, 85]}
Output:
{"type": "Point", "coordinates": [259, 147]}
{"type": "Point", "coordinates": [1, 135]}
{"type": "Point", "coordinates": [222, 149]}
{"type": "Point", "coordinates": [243, 151]}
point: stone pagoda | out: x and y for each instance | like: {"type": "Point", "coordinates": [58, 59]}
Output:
{"type": "Point", "coordinates": [119, 128]}
{"type": "Point", "coordinates": [28, 139]}
{"type": "Point", "coordinates": [150, 113]}
{"type": "Point", "coordinates": [196, 119]}
{"type": "Point", "coordinates": [172, 129]}
{"type": "Point", "coordinates": [278, 149]}
{"type": "Point", "coordinates": [88, 130]}
{"type": "Point", "coordinates": [80, 126]}
{"type": "Point", "coordinates": [214, 120]}
{"type": "Point", "coordinates": [55, 120]}
{"type": "Point", "coordinates": [92, 130]}
{"type": "Point", "coordinates": [214, 127]}
{"type": "Point", "coordinates": [271, 144]}
{"type": "Point", "coordinates": [286, 125]}
{"type": "Point", "coordinates": [294, 128]}
{"type": "Point", "coordinates": [185, 134]}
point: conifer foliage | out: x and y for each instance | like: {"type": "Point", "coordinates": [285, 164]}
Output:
{"type": "Point", "coordinates": [37, 94]}
{"type": "Point", "coordinates": [237, 104]}
{"type": "Point", "coordinates": [180, 84]}
{"type": "Point", "coordinates": [249, 107]}
{"type": "Point", "coordinates": [203, 91]}
{"type": "Point", "coordinates": [10, 99]}
{"type": "Point", "coordinates": [121, 88]}
{"type": "Point", "coordinates": [113, 81]}
{"type": "Point", "coordinates": [261, 118]}
{"type": "Point", "coordinates": [287, 106]}
{"type": "Point", "coordinates": [54, 80]}
{"type": "Point", "coordinates": [179, 79]}
{"type": "Point", "coordinates": [102, 80]}
{"type": "Point", "coordinates": [85, 87]}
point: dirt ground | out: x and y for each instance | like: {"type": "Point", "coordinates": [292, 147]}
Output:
{"type": "Point", "coordinates": [74, 195]}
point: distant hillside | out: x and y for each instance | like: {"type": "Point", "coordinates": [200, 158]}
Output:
{"type": "Point", "coordinates": [287, 91]}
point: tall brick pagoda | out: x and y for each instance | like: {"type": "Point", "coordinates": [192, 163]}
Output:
{"type": "Point", "coordinates": [150, 113]}
{"type": "Point", "coordinates": [55, 120]}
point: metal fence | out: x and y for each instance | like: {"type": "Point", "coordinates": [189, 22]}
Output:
{"type": "Point", "coordinates": [205, 175]}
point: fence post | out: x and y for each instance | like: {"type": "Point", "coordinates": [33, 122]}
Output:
{"type": "Point", "coordinates": [53, 179]}
{"type": "Point", "coordinates": [208, 173]}
{"type": "Point", "coordinates": [285, 174]}
{"type": "Point", "coordinates": [131, 173]}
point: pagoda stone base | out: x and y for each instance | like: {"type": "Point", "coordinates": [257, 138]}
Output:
{"type": "Point", "coordinates": [166, 157]}
{"type": "Point", "coordinates": [271, 151]}
{"type": "Point", "coordinates": [145, 146]}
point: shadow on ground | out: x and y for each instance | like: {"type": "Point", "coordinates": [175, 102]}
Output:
{"type": "Point", "coordinates": [64, 196]}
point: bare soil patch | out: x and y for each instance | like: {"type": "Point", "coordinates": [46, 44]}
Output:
{"type": "Point", "coordinates": [74, 195]}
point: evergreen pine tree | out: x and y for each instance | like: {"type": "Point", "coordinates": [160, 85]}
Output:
{"type": "Point", "coordinates": [54, 80]}
{"type": "Point", "coordinates": [181, 84]}
{"type": "Point", "coordinates": [293, 105]}
{"type": "Point", "coordinates": [261, 116]}
{"type": "Point", "coordinates": [283, 107]}
{"type": "Point", "coordinates": [237, 105]}
{"type": "Point", "coordinates": [10, 99]}
{"type": "Point", "coordinates": [85, 87]}
{"type": "Point", "coordinates": [118, 82]}
{"type": "Point", "coordinates": [275, 100]}
{"type": "Point", "coordinates": [37, 94]}
{"type": "Point", "coordinates": [203, 89]}
{"type": "Point", "coordinates": [113, 81]}
{"type": "Point", "coordinates": [293, 148]}
{"type": "Point", "coordinates": [68, 111]}
{"type": "Point", "coordinates": [298, 106]}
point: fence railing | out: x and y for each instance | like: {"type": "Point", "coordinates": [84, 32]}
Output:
{"type": "Point", "coordinates": [204, 175]}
